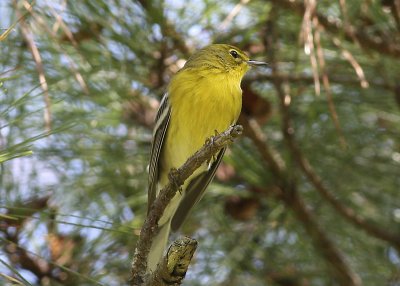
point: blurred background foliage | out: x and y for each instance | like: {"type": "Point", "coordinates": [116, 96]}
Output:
{"type": "Point", "coordinates": [310, 194]}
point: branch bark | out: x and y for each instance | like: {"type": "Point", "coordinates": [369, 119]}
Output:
{"type": "Point", "coordinates": [172, 269]}
{"type": "Point", "coordinates": [176, 179]}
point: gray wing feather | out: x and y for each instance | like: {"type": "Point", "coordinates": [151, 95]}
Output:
{"type": "Point", "coordinates": [195, 192]}
{"type": "Point", "coordinates": [161, 125]}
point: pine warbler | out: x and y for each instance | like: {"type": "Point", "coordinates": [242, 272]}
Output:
{"type": "Point", "coordinates": [203, 97]}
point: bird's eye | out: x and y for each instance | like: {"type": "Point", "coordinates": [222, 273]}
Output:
{"type": "Point", "coordinates": [234, 54]}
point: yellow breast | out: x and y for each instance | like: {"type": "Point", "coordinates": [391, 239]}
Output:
{"type": "Point", "coordinates": [200, 105]}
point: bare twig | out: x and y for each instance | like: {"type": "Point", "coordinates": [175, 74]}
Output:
{"type": "Point", "coordinates": [28, 36]}
{"type": "Point", "coordinates": [60, 23]}
{"type": "Point", "coordinates": [327, 86]}
{"type": "Point", "coordinates": [73, 66]}
{"type": "Point", "coordinates": [356, 66]}
{"type": "Point", "coordinates": [308, 39]}
{"type": "Point", "coordinates": [396, 12]}
{"type": "Point", "coordinates": [4, 35]}
{"type": "Point", "coordinates": [235, 11]}
{"type": "Point", "coordinates": [343, 10]}
{"type": "Point", "coordinates": [254, 132]}
{"type": "Point", "coordinates": [176, 179]}
{"type": "Point", "coordinates": [335, 26]}
{"type": "Point", "coordinates": [9, 70]}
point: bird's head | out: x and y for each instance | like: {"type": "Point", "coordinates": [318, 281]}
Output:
{"type": "Point", "coordinates": [221, 58]}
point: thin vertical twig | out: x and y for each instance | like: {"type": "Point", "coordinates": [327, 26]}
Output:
{"type": "Point", "coordinates": [351, 59]}
{"type": "Point", "coordinates": [307, 38]}
{"type": "Point", "coordinates": [235, 11]}
{"type": "Point", "coordinates": [368, 41]}
{"type": "Point", "coordinates": [78, 76]}
{"type": "Point", "coordinates": [28, 37]}
{"type": "Point", "coordinates": [343, 10]}
{"type": "Point", "coordinates": [327, 86]}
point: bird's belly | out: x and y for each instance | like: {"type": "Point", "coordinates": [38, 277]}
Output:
{"type": "Point", "coordinates": [193, 123]}
{"type": "Point", "coordinates": [195, 117]}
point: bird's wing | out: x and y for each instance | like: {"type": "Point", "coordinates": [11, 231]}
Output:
{"type": "Point", "coordinates": [194, 192]}
{"type": "Point", "coordinates": [162, 121]}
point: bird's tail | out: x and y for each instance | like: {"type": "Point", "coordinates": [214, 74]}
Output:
{"type": "Point", "coordinates": [158, 246]}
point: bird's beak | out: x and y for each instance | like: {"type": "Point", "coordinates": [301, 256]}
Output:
{"type": "Point", "coordinates": [256, 63]}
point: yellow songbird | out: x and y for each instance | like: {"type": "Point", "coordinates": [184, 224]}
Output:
{"type": "Point", "coordinates": [202, 98]}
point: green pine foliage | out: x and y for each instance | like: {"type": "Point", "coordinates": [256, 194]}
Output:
{"type": "Point", "coordinates": [73, 186]}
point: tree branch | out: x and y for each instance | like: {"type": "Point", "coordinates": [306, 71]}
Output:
{"type": "Point", "coordinates": [316, 181]}
{"type": "Point", "coordinates": [348, 213]}
{"type": "Point", "coordinates": [342, 271]}
{"type": "Point", "coordinates": [350, 33]}
{"type": "Point", "coordinates": [306, 79]}
{"type": "Point", "coordinates": [338, 264]}
{"type": "Point", "coordinates": [176, 179]}
{"type": "Point", "coordinates": [288, 194]}
{"type": "Point", "coordinates": [172, 268]}
{"type": "Point", "coordinates": [254, 132]}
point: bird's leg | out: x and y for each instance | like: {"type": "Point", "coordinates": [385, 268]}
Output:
{"type": "Point", "coordinates": [211, 141]}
